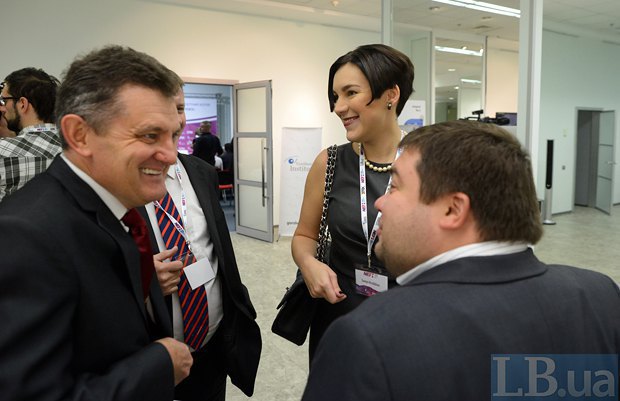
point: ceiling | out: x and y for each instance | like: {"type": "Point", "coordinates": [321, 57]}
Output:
{"type": "Point", "coordinates": [594, 18]}
{"type": "Point", "coordinates": [598, 16]}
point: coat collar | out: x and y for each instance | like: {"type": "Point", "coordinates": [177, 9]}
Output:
{"type": "Point", "coordinates": [485, 269]}
{"type": "Point", "coordinates": [89, 201]}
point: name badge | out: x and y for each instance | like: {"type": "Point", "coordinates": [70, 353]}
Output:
{"type": "Point", "coordinates": [369, 282]}
{"type": "Point", "coordinates": [199, 273]}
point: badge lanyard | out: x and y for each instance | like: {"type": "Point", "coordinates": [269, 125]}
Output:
{"type": "Point", "coordinates": [178, 226]}
{"type": "Point", "coordinates": [364, 202]}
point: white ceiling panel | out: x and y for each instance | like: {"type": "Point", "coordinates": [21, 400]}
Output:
{"type": "Point", "coordinates": [597, 16]}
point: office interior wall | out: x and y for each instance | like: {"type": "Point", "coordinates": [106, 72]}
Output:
{"type": "Point", "coordinates": [441, 112]}
{"type": "Point", "coordinates": [577, 72]}
{"type": "Point", "coordinates": [421, 50]}
{"type": "Point", "coordinates": [468, 102]}
{"type": "Point", "coordinates": [502, 77]}
{"type": "Point", "coordinates": [194, 43]}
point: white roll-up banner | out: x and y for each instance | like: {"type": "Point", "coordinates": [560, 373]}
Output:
{"type": "Point", "coordinates": [300, 146]}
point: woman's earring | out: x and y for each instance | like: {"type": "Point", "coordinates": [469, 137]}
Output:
{"type": "Point", "coordinates": [389, 106]}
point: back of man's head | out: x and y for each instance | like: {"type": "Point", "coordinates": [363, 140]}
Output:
{"type": "Point", "coordinates": [92, 82]}
{"type": "Point", "coordinates": [205, 127]}
{"type": "Point", "coordinates": [38, 87]}
{"type": "Point", "coordinates": [489, 165]}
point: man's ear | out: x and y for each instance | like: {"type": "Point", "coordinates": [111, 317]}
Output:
{"type": "Point", "coordinates": [76, 131]}
{"type": "Point", "coordinates": [457, 209]}
{"type": "Point", "coordinates": [22, 104]}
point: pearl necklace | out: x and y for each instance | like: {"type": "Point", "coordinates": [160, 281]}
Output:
{"type": "Point", "coordinates": [372, 166]}
{"type": "Point", "coordinates": [376, 168]}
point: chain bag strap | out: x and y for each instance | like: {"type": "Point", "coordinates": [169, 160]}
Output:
{"type": "Point", "coordinates": [297, 307]}
{"type": "Point", "coordinates": [324, 235]}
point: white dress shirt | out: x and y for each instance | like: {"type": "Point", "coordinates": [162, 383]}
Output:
{"type": "Point", "coordinates": [117, 208]}
{"type": "Point", "coordinates": [489, 248]}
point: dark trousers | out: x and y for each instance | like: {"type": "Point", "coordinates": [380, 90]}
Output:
{"type": "Point", "coordinates": [207, 377]}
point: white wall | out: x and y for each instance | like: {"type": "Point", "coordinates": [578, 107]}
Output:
{"type": "Point", "coordinates": [468, 101]}
{"type": "Point", "coordinates": [502, 80]}
{"type": "Point", "coordinates": [194, 43]}
{"type": "Point", "coordinates": [577, 72]}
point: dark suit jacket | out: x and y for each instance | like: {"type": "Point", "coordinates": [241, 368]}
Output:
{"type": "Point", "coordinates": [433, 338]}
{"type": "Point", "coordinates": [238, 330]}
{"type": "Point", "coordinates": [73, 315]}
{"type": "Point", "coordinates": [206, 146]}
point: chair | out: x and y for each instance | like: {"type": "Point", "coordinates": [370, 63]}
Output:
{"type": "Point", "coordinates": [226, 181]}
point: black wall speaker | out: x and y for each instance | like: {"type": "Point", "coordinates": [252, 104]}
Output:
{"type": "Point", "coordinates": [549, 177]}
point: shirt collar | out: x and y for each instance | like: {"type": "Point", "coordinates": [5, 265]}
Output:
{"type": "Point", "coordinates": [39, 128]}
{"type": "Point", "coordinates": [488, 248]}
{"type": "Point", "coordinates": [172, 171]}
{"type": "Point", "coordinates": [117, 208]}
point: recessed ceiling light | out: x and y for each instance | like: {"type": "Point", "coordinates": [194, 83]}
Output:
{"type": "Point", "coordinates": [482, 6]}
{"type": "Point", "coordinates": [458, 51]}
{"type": "Point", "coordinates": [450, 98]}
{"type": "Point", "coordinates": [456, 87]}
{"type": "Point", "coordinates": [451, 69]}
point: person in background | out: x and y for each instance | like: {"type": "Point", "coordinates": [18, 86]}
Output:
{"type": "Point", "coordinates": [83, 317]}
{"type": "Point", "coordinates": [219, 164]}
{"type": "Point", "coordinates": [456, 230]}
{"type": "Point", "coordinates": [5, 132]}
{"type": "Point", "coordinates": [367, 90]}
{"type": "Point", "coordinates": [27, 103]}
{"type": "Point", "coordinates": [206, 145]}
{"type": "Point", "coordinates": [230, 341]}
{"type": "Point", "coordinates": [228, 158]}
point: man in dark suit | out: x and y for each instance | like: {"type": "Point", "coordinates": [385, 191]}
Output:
{"type": "Point", "coordinates": [80, 320]}
{"type": "Point", "coordinates": [232, 345]}
{"type": "Point", "coordinates": [456, 230]}
{"type": "Point", "coordinates": [206, 145]}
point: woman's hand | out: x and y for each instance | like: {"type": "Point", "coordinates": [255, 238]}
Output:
{"type": "Point", "coordinates": [322, 282]}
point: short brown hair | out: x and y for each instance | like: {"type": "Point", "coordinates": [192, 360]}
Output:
{"type": "Point", "coordinates": [92, 83]}
{"type": "Point", "coordinates": [488, 164]}
{"type": "Point", "coordinates": [383, 66]}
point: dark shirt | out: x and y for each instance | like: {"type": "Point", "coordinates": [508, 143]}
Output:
{"type": "Point", "coordinates": [206, 147]}
{"type": "Point", "coordinates": [227, 160]}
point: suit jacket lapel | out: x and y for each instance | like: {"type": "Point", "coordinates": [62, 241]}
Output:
{"type": "Point", "coordinates": [90, 202]}
{"type": "Point", "coordinates": [154, 245]}
{"type": "Point", "coordinates": [200, 182]}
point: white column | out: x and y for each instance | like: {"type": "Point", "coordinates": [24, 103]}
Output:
{"type": "Point", "coordinates": [386, 22]}
{"type": "Point", "coordinates": [530, 45]}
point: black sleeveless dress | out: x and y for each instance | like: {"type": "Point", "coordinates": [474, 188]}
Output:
{"type": "Point", "coordinates": [348, 247]}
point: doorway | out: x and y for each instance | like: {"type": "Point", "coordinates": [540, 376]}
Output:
{"type": "Point", "coordinates": [594, 165]}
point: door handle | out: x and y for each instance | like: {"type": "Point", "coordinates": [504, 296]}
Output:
{"type": "Point", "coordinates": [263, 174]}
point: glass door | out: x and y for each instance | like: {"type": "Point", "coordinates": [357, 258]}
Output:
{"type": "Point", "coordinates": [605, 168]}
{"type": "Point", "coordinates": [253, 159]}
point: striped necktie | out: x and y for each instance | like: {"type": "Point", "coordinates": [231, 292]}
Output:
{"type": "Point", "coordinates": [194, 305]}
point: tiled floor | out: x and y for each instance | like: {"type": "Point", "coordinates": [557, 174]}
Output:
{"type": "Point", "coordinates": [585, 238]}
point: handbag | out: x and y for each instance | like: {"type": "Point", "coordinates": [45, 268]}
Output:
{"type": "Point", "coordinates": [297, 307]}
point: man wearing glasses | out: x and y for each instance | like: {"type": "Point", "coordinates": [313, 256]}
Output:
{"type": "Point", "coordinates": [27, 103]}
